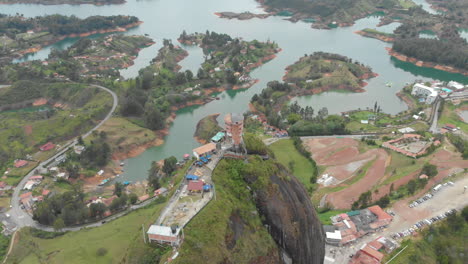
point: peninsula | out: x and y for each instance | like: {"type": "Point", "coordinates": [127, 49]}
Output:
{"type": "Point", "coordinates": [21, 35]}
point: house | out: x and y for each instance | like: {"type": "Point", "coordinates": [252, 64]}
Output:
{"type": "Point", "coordinates": [36, 178]}
{"type": "Point", "coordinates": [165, 235]}
{"type": "Point", "coordinates": [47, 146]}
{"type": "Point", "coordinates": [29, 185]}
{"type": "Point", "coordinates": [3, 185]}
{"type": "Point", "coordinates": [364, 121]}
{"type": "Point", "coordinates": [429, 94]}
{"type": "Point", "coordinates": [62, 175]}
{"type": "Point", "coordinates": [26, 199]}
{"type": "Point", "coordinates": [450, 127]}
{"type": "Point", "coordinates": [406, 130]}
{"type": "Point", "coordinates": [45, 192]}
{"type": "Point", "coordinates": [143, 197]}
{"type": "Point", "coordinates": [204, 150]}
{"type": "Point", "coordinates": [78, 149]}
{"type": "Point", "coordinates": [20, 163]}
{"type": "Point", "coordinates": [195, 186]}
{"type": "Point", "coordinates": [160, 191]}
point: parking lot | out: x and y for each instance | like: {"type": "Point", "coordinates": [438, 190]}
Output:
{"type": "Point", "coordinates": [447, 198]}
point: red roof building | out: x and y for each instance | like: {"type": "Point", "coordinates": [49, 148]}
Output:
{"type": "Point", "coordinates": [47, 146]}
{"type": "Point", "coordinates": [36, 178]}
{"type": "Point", "coordinates": [372, 253]}
{"type": "Point", "coordinates": [381, 214]}
{"type": "Point", "coordinates": [195, 186]}
{"type": "Point", "coordinates": [45, 192]}
{"type": "Point", "coordinates": [3, 184]}
{"type": "Point", "coordinates": [20, 163]}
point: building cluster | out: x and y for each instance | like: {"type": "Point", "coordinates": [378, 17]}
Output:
{"type": "Point", "coordinates": [348, 227]}
{"type": "Point", "coordinates": [411, 145]}
{"type": "Point", "coordinates": [428, 94]}
{"type": "Point", "coordinates": [28, 200]}
{"type": "Point", "coordinates": [372, 253]}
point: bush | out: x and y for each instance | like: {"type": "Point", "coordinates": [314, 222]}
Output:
{"type": "Point", "coordinates": [101, 252]}
{"type": "Point", "coordinates": [44, 234]}
{"type": "Point", "coordinates": [254, 144]}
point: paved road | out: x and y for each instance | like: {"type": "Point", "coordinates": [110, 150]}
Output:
{"type": "Point", "coordinates": [22, 218]}
{"type": "Point", "coordinates": [433, 128]}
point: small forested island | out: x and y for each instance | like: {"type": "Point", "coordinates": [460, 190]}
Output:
{"type": "Point", "coordinates": [312, 74]}
{"type": "Point", "coordinates": [241, 16]}
{"type": "Point", "coordinates": [329, 14]}
{"type": "Point", "coordinates": [20, 35]}
{"type": "Point", "coordinates": [322, 71]}
{"type": "Point", "coordinates": [59, 2]}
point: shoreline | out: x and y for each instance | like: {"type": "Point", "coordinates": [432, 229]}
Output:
{"type": "Point", "coordinates": [375, 36]}
{"type": "Point", "coordinates": [21, 53]}
{"type": "Point", "coordinates": [420, 63]}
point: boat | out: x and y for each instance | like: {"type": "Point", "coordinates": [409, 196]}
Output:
{"type": "Point", "coordinates": [127, 182]}
{"type": "Point", "coordinates": [104, 182]}
{"type": "Point", "coordinates": [121, 163]}
{"type": "Point", "coordinates": [389, 84]}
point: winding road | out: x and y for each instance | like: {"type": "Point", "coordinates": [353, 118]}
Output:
{"type": "Point", "coordinates": [22, 218]}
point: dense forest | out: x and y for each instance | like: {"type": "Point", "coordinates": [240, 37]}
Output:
{"type": "Point", "coordinates": [61, 25]}
{"type": "Point", "coordinates": [339, 10]}
{"type": "Point", "coordinates": [433, 50]}
{"type": "Point", "coordinates": [447, 48]}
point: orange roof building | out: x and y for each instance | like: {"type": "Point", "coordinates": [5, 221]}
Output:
{"type": "Point", "coordinates": [203, 150]}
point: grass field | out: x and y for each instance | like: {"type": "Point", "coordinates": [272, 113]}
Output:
{"type": "Point", "coordinates": [285, 153]}
{"type": "Point", "coordinates": [121, 134]}
{"type": "Point", "coordinates": [401, 166]}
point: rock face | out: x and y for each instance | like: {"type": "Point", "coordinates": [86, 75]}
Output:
{"type": "Point", "coordinates": [291, 218]}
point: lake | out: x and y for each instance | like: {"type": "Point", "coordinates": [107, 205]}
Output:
{"type": "Point", "coordinates": [166, 19]}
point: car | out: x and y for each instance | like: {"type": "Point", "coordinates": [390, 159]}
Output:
{"type": "Point", "coordinates": [411, 206]}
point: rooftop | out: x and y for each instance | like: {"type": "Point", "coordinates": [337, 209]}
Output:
{"type": "Point", "coordinates": [205, 148]}
{"type": "Point", "coordinates": [195, 186]}
{"type": "Point", "coordinates": [162, 231]}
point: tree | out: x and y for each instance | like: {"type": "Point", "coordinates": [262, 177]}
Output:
{"type": "Point", "coordinates": [59, 224]}
{"type": "Point", "coordinates": [429, 169]}
{"type": "Point", "coordinates": [133, 198]}
{"type": "Point", "coordinates": [80, 141]}
{"type": "Point", "coordinates": [293, 118]}
{"type": "Point", "coordinates": [170, 165]}
{"type": "Point", "coordinates": [97, 210]}
{"type": "Point", "coordinates": [411, 186]}
{"type": "Point", "coordinates": [118, 188]}
{"type": "Point", "coordinates": [465, 213]}
{"type": "Point", "coordinates": [153, 118]}
{"type": "Point", "coordinates": [188, 75]}
{"type": "Point", "coordinates": [154, 174]}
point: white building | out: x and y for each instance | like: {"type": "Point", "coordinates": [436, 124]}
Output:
{"type": "Point", "coordinates": [165, 235]}
{"type": "Point", "coordinates": [422, 91]}
{"type": "Point", "coordinates": [455, 85]}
